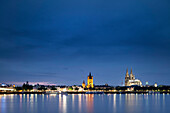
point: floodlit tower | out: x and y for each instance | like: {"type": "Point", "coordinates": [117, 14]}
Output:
{"type": "Point", "coordinates": [83, 84]}
{"type": "Point", "coordinates": [90, 81]}
{"type": "Point", "coordinates": [132, 77]}
{"type": "Point", "coordinates": [127, 78]}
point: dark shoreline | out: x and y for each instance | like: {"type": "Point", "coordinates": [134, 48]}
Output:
{"type": "Point", "coordinates": [120, 93]}
{"type": "Point", "coordinates": [22, 93]}
{"type": "Point", "coordinates": [87, 93]}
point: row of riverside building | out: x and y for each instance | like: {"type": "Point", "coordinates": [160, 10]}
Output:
{"type": "Point", "coordinates": [130, 80]}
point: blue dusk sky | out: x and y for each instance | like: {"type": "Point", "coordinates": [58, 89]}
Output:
{"type": "Point", "coordinates": [61, 41]}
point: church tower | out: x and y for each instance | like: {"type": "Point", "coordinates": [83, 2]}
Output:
{"type": "Point", "coordinates": [83, 84]}
{"type": "Point", "coordinates": [130, 80]}
{"type": "Point", "coordinates": [132, 77]}
{"type": "Point", "coordinates": [90, 81]}
{"type": "Point", "coordinates": [127, 78]}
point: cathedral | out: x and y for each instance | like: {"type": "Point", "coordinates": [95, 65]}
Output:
{"type": "Point", "coordinates": [89, 82]}
{"type": "Point", "coordinates": [130, 80]}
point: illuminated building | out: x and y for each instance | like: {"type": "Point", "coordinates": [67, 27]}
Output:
{"type": "Point", "coordinates": [127, 78]}
{"type": "Point", "coordinates": [155, 85]}
{"type": "Point", "coordinates": [147, 83]}
{"type": "Point", "coordinates": [90, 81]}
{"type": "Point", "coordinates": [130, 80]}
{"type": "Point", "coordinates": [83, 84]}
{"type": "Point", "coordinates": [13, 85]}
{"type": "Point", "coordinates": [4, 85]}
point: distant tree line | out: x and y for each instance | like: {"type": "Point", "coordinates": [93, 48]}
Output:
{"type": "Point", "coordinates": [25, 87]}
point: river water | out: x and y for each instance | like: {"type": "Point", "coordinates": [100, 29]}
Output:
{"type": "Point", "coordinates": [85, 103]}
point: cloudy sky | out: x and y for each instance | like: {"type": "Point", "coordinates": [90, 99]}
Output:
{"type": "Point", "coordinates": [61, 41]}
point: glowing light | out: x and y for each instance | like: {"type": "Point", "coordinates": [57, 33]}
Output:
{"type": "Point", "coordinates": [64, 90]}
{"type": "Point", "coordinates": [64, 103]}
{"type": "Point", "coordinates": [7, 89]}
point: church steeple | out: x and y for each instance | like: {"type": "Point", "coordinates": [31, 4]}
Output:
{"type": "Point", "coordinates": [127, 71]}
{"type": "Point", "coordinates": [90, 76]}
{"type": "Point", "coordinates": [131, 71]}
{"type": "Point", "coordinates": [127, 74]}
{"type": "Point", "coordinates": [90, 81]}
{"type": "Point", "coordinates": [83, 84]}
{"type": "Point", "coordinates": [127, 77]}
{"type": "Point", "coordinates": [89, 73]}
{"type": "Point", "coordinates": [132, 77]}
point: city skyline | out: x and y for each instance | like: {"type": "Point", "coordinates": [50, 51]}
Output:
{"type": "Point", "coordinates": [84, 56]}
{"type": "Point", "coordinates": [60, 42]}
{"type": "Point", "coordinates": [123, 83]}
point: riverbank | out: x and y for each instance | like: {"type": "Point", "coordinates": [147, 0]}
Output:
{"type": "Point", "coordinates": [22, 92]}
{"type": "Point", "coordinates": [88, 92]}
{"type": "Point", "coordinates": [125, 92]}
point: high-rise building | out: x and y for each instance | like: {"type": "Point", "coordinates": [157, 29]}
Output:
{"type": "Point", "coordinates": [130, 80]}
{"type": "Point", "coordinates": [90, 81]}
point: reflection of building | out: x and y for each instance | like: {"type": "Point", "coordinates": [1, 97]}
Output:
{"type": "Point", "coordinates": [83, 84]}
{"type": "Point", "coordinates": [131, 81]}
{"type": "Point", "coordinates": [90, 103]}
{"type": "Point", "coordinates": [90, 81]}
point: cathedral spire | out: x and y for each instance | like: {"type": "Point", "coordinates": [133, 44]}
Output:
{"type": "Point", "coordinates": [127, 74]}
{"type": "Point", "coordinates": [132, 77]}
{"type": "Point", "coordinates": [127, 71]}
{"type": "Point", "coordinates": [127, 77]}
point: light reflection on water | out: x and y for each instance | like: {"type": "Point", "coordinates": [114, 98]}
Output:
{"type": "Point", "coordinates": [85, 103]}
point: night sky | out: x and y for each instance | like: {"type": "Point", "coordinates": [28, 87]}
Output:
{"type": "Point", "coordinates": [61, 41]}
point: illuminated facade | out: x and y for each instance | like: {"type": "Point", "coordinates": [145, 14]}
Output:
{"type": "Point", "coordinates": [130, 80]}
{"type": "Point", "coordinates": [83, 84]}
{"type": "Point", "coordinates": [155, 85]}
{"type": "Point", "coordinates": [90, 81]}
